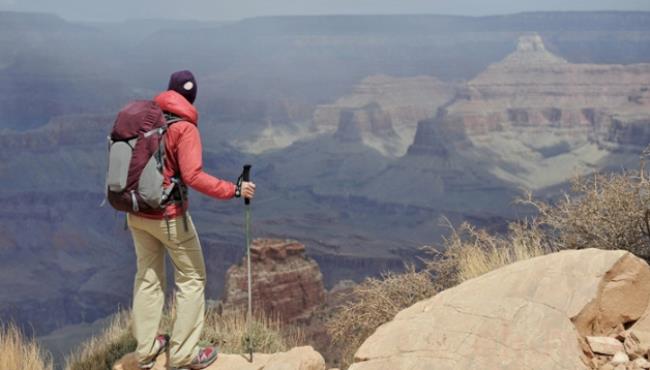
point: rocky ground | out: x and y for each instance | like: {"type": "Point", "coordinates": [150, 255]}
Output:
{"type": "Point", "coordinates": [301, 358]}
{"type": "Point", "coordinates": [578, 309]}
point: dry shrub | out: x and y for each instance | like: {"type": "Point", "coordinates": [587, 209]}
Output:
{"type": "Point", "coordinates": [608, 211]}
{"type": "Point", "coordinates": [229, 330]}
{"type": "Point", "coordinates": [470, 252]}
{"type": "Point", "coordinates": [19, 352]}
{"type": "Point", "coordinates": [377, 301]}
{"type": "Point", "coordinates": [100, 352]}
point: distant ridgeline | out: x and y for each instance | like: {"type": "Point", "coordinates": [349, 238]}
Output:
{"type": "Point", "coordinates": [51, 67]}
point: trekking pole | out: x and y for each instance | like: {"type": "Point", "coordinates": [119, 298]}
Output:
{"type": "Point", "coordinates": [249, 316]}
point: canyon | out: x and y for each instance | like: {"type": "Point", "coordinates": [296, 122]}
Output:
{"type": "Point", "coordinates": [361, 139]}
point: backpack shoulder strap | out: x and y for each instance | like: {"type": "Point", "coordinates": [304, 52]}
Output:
{"type": "Point", "coordinates": [171, 118]}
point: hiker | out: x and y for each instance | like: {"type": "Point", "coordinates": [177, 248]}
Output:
{"type": "Point", "coordinates": [172, 230]}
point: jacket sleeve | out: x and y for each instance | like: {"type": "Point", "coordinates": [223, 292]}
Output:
{"type": "Point", "coordinates": [190, 162]}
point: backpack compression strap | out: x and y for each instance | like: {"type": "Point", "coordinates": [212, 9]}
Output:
{"type": "Point", "coordinates": [176, 181]}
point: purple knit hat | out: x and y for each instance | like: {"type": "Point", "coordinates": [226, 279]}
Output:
{"type": "Point", "coordinates": [183, 82]}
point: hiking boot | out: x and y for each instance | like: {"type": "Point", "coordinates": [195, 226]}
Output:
{"type": "Point", "coordinates": [160, 345]}
{"type": "Point", "coordinates": [205, 358]}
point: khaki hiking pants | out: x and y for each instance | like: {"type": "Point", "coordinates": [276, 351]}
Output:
{"type": "Point", "coordinates": [152, 239]}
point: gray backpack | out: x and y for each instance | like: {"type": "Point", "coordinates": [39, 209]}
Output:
{"type": "Point", "coordinates": [136, 158]}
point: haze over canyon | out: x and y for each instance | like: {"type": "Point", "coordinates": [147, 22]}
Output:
{"type": "Point", "coordinates": [363, 131]}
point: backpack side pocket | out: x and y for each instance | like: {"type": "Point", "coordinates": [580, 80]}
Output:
{"type": "Point", "coordinates": [119, 160]}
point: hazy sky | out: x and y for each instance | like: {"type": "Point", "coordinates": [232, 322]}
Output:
{"type": "Point", "coordinates": [236, 9]}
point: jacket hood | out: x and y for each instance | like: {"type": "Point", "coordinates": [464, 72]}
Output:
{"type": "Point", "coordinates": [175, 103]}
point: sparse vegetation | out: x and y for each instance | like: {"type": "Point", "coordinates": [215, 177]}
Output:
{"type": "Point", "coordinates": [100, 352]}
{"type": "Point", "coordinates": [469, 252]}
{"type": "Point", "coordinates": [227, 330]}
{"type": "Point", "coordinates": [376, 302]}
{"type": "Point", "coordinates": [608, 211]}
{"type": "Point", "coordinates": [19, 352]}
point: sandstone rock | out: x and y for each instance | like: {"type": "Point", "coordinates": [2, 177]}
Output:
{"type": "Point", "coordinates": [404, 101]}
{"type": "Point", "coordinates": [641, 363]}
{"type": "Point", "coordinates": [354, 123]}
{"type": "Point", "coordinates": [285, 282]}
{"type": "Point", "coordinates": [600, 361]}
{"type": "Point", "coordinates": [620, 358]}
{"type": "Point", "coordinates": [605, 345]}
{"type": "Point", "coordinates": [533, 314]}
{"type": "Point", "coordinates": [534, 111]}
{"type": "Point", "coordinates": [641, 329]}
{"type": "Point", "coordinates": [369, 125]}
{"type": "Point", "coordinates": [300, 358]}
{"type": "Point", "coordinates": [270, 249]}
{"type": "Point", "coordinates": [633, 346]}
{"type": "Point", "coordinates": [621, 333]}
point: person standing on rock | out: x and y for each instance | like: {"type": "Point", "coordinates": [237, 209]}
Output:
{"type": "Point", "coordinates": [173, 231]}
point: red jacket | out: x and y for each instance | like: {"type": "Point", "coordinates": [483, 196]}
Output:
{"type": "Point", "coordinates": [184, 155]}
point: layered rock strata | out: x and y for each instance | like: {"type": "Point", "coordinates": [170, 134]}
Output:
{"type": "Point", "coordinates": [286, 282]}
{"type": "Point", "coordinates": [383, 110]}
{"type": "Point", "coordinates": [533, 87]}
{"type": "Point", "coordinates": [536, 120]}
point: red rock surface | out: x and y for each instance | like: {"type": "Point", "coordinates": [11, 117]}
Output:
{"type": "Point", "coordinates": [285, 281]}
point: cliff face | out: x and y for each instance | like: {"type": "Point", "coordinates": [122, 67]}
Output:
{"type": "Point", "coordinates": [369, 125]}
{"type": "Point", "coordinates": [355, 122]}
{"type": "Point", "coordinates": [532, 87]}
{"type": "Point", "coordinates": [62, 131]}
{"type": "Point", "coordinates": [535, 119]}
{"type": "Point", "coordinates": [383, 111]}
{"type": "Point", "coordinates": [285, 281]}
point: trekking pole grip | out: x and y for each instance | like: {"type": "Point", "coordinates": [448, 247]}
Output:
{"type": "Point", "coordinates": [246, 176]}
